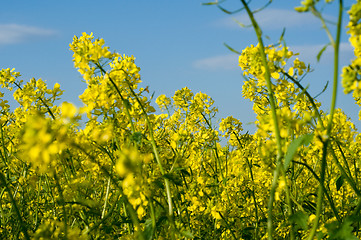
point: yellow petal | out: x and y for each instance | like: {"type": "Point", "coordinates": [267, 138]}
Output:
{"type": "Point", "coordinates": [275, 75]}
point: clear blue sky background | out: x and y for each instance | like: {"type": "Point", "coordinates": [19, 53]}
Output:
{"type": "Point", "coordinates": [176, 44]}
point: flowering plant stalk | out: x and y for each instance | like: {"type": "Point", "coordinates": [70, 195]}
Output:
{"type": "Point", "coordinates": [279, 160]}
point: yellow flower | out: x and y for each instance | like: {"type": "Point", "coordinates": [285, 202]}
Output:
{"type": "Point", "coordinates": [215, 212]}
{"type": "Point", "coordinates": [68, 110]}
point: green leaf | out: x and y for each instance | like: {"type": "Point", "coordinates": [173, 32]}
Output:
{"type": "Point", "coordinates": [137, 137]}
{"type": "Point", "coordinates": [323, 90]}
{"type": "Point", "coordinates": [173, 178]}
{"type": "Point", "coordinates": [241, 24]}
{"type": "Point", "coordinates": [292, 148]}
{"type": "Point", "coordinates": [283, 35]}
{"type": "Point", "coordinates": [310, 206]}
{"type": "Point", "coordinates": [182, 170]}
{"type": "Point", "coordinates": [321, 52]}
{"type": "Point", "coordinates": [339, 182]}
{"type": "Point", "coordinates": [127, 104]}
{"type": "Point", "coordinates": [300, 219]}
{"type": "Point", "coordinates": [212, 3]}
{"type": "Point", "coordinates": [187, 234]}
{"type": "Point", "coordinates": [342, 231]}
{"type": "Point", "coordinates": [231, 49]}
{"type": "Point", "coordinates": [149, 230]}
{"type": "Point", "coordinates": [224, 10]}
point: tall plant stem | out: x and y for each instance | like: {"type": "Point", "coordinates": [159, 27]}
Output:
{"type": "Point", "coordinates": [155, 151]}
{"type": "Point", "coordinates": [60, 190]}
{"type": "Point", "coordinates": [336, 46]}
{"type": "Point", "coordinates": [106, 198]}
{"type": "Point", "coordinates": [272, 101]}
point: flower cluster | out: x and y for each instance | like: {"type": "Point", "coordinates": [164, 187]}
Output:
{"type": "Point", "coordinates": [351, 80]}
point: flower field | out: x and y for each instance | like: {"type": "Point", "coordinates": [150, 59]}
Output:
{"type": "Point", "coordinates": [116, 168]}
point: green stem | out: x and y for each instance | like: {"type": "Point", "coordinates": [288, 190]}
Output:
{"type": "Point", "coordinates": [50, 192]}
{"type": "Point", "coordinates": [36, 221]}
{"type": "Point", "coordinates": [13, 203]}
{"type": "Point", "coordinates": [343, 157]}
{"type": "Point", "coordinates": [323, 22]}
{"type": "Point", "coordinates": [41, 99]}
{"type": "Point", "coordinates": [3, 156]}
{"type": "Point", "coordinates": [215, 146]}
{"type": "Point", "coordinates": [155, 151]}
{"type": "Point", "coordinates": [272, 101]}
{"type": "Point", "coordinates": [153, 216]}
{"type": "Point", "coordinates": [289, 204]}
{"type": "Point", "coordinates": [320, 191]}
{"type": "Point", "coordinates": [329, 198]}
{"type": "Point", "coordinates": [253, 188]}
{"type": "Point", "coordinates": [228, 226]}
{"type": "Point", "coordinates": [346, 176]}
{"type": "Point", "coordinates": [62, 201]}
{"type": "Point", "coordinates": [336, 46]}
{"type": "Point", "coordinates": [318, 115]}
{"type": "Point", "coordinates": [128, 206]}
{"type": "Point", "coordinates": [106, 199]}
{"type": "Point", "coordinates": [105, 217]}
{"type": "Point", "coordinates": [126, 107]}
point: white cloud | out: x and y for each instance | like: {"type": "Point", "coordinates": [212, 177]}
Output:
{"type": "Point", "coordinates": [223, 62]}
{"type": "Point", "coordinates": [15, 33]}
{"type": "Point", "coordinates": [275, 19]}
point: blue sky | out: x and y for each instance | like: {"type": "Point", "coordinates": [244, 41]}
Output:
{"type": "Point", "coordinates": [176, 44]}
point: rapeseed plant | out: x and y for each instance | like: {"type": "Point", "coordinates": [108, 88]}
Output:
{"type": "Point", "coordinates": [133, 173]}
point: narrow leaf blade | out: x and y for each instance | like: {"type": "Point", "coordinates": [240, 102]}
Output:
{"type": "Point", "coordinates": [321, 52]}
{"type": "Point", "coordinates": [231, 49]}
{"type": "Point", "coordinates": [292, 148]}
